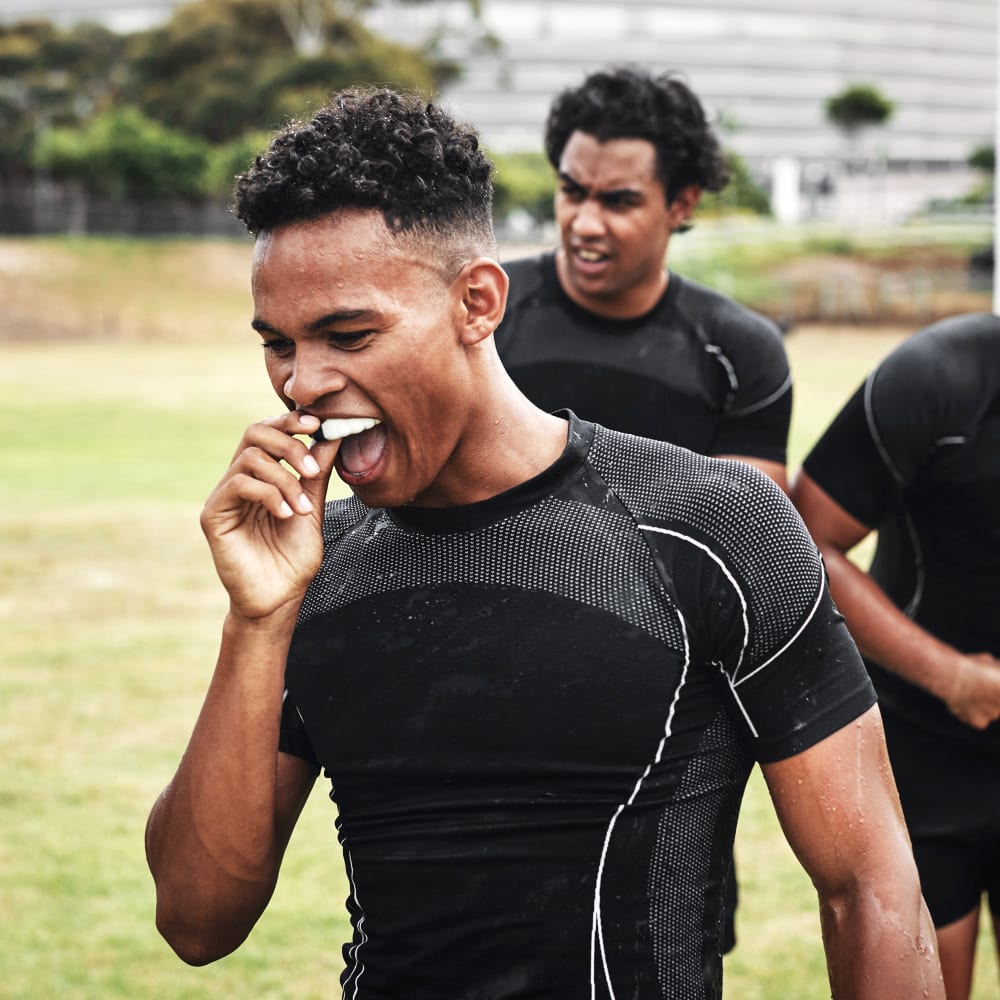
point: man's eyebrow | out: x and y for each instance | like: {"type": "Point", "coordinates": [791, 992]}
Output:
{"type": "Point", "coordinates": [618, 192]}
{"type": "Point", "coordinates": [570, 179]}
{"type": "Point", "coordinates": [262, 326]}
{"type": "Point", "coordinates": [327, 320]}
{"type": "Point", "coordinates": [340, 316]}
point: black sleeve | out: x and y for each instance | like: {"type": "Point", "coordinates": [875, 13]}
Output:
{"type": "Point", "coordinates": [758, 433]}
{"type": "Point", "coordinates": [848, 465]}
{"type": "Point", "coordinates": [293, 738]}
{"type": "Point", "coordinates": [815, 686]}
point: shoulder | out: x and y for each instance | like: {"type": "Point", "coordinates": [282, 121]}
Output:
{"type": "Point", "coordinates": [527, 277]}
{"type": "Point", "coordinates": [941, 380]}
{"type": "Point", "coordinates": [954, 352]}
{"type": "Point", "coordinates": [723, 316]}
{"type": "Point", "coordinates": [728, 506]}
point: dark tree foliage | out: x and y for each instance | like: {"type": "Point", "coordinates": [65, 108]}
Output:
{"type": "Point", "coordinates": [221, 67]}
{"type": "Point", "coordinates": [52, 77]}
{"type": "Point", "coordinates": [857, 106]}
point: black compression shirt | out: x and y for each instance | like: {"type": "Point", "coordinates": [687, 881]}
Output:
{"type": "Point", "coordinates": [698, 370]}
{"type": "Point", "coordinates": [539, 713]}
{"type": "Point", "coordinates": [915, 453]}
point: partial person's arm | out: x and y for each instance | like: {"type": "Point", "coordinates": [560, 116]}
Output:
{"type": "Point", "coordinates": [838, 807]}
{"type": "Point", "coordinates": [755, 428]}
{"type": "Point", "coordinates": [969, 684]}
{"type": "Point", "coordinates": [216, 835]}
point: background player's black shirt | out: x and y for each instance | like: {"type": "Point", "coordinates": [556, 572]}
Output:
{"type": "Point", "coordinates": [698, 370]}
{"type": "Point", "coordinates": [915, 453]}
{"type": "Point", "coordinates": [539, 713]}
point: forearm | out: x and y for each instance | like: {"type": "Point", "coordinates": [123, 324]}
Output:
{"type": "Point", "coordinates": [879, 948]}
{"type": "Point", "coordinates": [884, 633]}
{"type": "Point", "coordinates": [212, 842]}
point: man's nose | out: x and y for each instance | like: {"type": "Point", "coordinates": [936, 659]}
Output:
{"type": "Point", "coordinates": [312, 377]}
{"type": "Point", "coordinates": [589, 218]}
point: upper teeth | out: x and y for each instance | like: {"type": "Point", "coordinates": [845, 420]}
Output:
{"type": "Point", "coordinates": [590, 254]}
{"type": "Point", "coordinates": [342, 427]}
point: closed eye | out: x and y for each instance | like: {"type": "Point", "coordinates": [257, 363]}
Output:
{"type": "Point", "coordinates": [352, 340]}
{"type": "Point", "coordinates": [570, 189]}
{"type": "Point", "coordinates": [278, 346]}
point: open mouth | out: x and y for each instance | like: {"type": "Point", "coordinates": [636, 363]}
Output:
{"type": "Point", "coordinates": [362, 443]}
{"type": "Point", "coordinates": [591, 256]}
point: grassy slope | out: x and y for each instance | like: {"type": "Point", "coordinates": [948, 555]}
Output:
{"type": "Point", "coordinates": [109, 612]}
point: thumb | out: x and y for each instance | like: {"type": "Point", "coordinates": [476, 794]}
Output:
{"type": "Point", "coordinates": [315, 487]}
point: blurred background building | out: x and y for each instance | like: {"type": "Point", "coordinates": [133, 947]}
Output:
{"type": "Point", "coordinates": [764, 69]}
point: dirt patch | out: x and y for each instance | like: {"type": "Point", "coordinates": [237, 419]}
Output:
{"type": "Point", "coordinates": [914, 288]}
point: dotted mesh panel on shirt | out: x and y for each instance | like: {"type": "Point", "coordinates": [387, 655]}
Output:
{"type": "Point", "coordinates": [679, 866]}
{"type": "Point", "coordinates": [565, 547]}
{"type": "Point", "coordinates": [735, 510]}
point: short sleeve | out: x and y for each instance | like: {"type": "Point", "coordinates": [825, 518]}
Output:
{"type": "Point", "coordinates": [292, 738]}
{"type": "Point", "coordinates": [758, 609]}
{"type": "Point", "coordinates": [848, 465]}
{"type": "Point", "coordinates": [757, 415]}
{"type": "Point", "coordinates": [760, 432]}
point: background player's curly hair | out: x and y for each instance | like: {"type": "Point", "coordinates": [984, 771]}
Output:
{"type": "Point", "coordinates": [625, 103]}
{"type": "Point", "coordinates": [373, 149]}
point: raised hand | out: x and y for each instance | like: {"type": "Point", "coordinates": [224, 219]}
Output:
{"type": "Point", "coordinates": [263, 521]}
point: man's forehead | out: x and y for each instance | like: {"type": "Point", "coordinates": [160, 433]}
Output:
{"type": "Point", "coordinates": [343, 242]}
{"type": "Point", "coordinates": [611, 163]}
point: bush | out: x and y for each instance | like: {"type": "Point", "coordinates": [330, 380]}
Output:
{"type": "Point", "coordinates": [123, 153]}
{"type": "Point", "coordinates": [523, 182]}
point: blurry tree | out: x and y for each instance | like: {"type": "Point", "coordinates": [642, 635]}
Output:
{"type": "Point", "coordinates": [741, 194]}
{"type": "Point", "coordinates": [222, 67]}
{"type": "Point", "coordinates": [983, 158]}
{"type": "Point", "coordinates": [227, 161]}
{"type": "Point", "coordinates": [857, 106]}
{"type": "Point", "coordinates": [523, 182]}
{"type": "Point", "coordinates": [121, 152]}
{"type": "Point", "coordinates": [51, 76]}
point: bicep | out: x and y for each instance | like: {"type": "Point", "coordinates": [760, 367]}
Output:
{"type": "Point", "coordinates": [839, 810]}
{"type": "Point", "coordinates": [830, 525]}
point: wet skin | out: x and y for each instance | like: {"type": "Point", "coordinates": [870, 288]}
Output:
{"type": "Point", "coordinates": [341, 340]}
{"type": "Point", "coordinates": [615, 224]}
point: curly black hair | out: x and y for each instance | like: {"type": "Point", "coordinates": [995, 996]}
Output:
{"type": "Point", "coordinates": [626, 103]}
{"type": "Point", "coordinates": [373, 148]}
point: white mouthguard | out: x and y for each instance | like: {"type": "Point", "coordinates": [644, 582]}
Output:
{"type": "Point", "coordinates": [336, 428]}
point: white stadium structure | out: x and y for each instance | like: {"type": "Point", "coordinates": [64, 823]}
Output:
{"type": "Point", "coordinates": [764, 69]}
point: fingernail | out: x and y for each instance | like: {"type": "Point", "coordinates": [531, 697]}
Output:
{"type": "Point", "coordinates": [304, 503]}
{"type": "Point", "coordinates": [310, 465]}
{"type": "Point", "coordinates": [286, 511]}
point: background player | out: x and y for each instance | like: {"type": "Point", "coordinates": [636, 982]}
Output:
{"type": "Point", "coordinates": [915, 454]}
{"type": "Point", "coordinates": [601, 326]}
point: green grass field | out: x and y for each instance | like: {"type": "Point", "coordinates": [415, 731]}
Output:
{"type": "Point", "coordinates": [109, 613]}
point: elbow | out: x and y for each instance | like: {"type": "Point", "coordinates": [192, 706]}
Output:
{"type": "Point", "coordinates": [194, 942]}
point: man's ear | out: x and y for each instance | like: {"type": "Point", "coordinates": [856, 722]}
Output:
{"type": "Point", "coordinates": [682, 207]}
{"type": "Point", "coordinates": [484, 298]}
